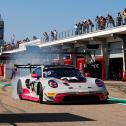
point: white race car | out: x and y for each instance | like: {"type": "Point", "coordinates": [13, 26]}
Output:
{"type": "Point", "coordinates": [60, 84]}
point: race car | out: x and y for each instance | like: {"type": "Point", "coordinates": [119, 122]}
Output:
{"type": "Point", "coordinates": [60, 84]}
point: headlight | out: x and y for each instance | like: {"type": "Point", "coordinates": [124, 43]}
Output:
{"type": "Point", "coordinates": [99, 83]}
{"type": "Point", "coordinates": [52, 83]}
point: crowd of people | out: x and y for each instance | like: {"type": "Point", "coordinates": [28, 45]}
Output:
{"type": "Point", "coordinates": [9, 46]}
{"type": "Point", "coordinates": [86, 26]}
{"type": "Point", "coordinates": [82, 27]}
{"type": "Point", "coordinates": [14, 44]}
{"type": "Point", "coordinates": [53, 36]}
{"type": "Point", "coordinates": [101, 22]}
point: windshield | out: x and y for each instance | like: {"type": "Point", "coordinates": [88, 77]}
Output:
{"type": "Point", "coordinates": [64, 73]}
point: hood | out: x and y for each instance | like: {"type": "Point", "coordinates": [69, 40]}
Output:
{"type": "Point", "coordinates": [73, 79]}
{"type": "Point", "coordinates": [86, 84]}
{"type": "Point", "coordinates": [75, 83]}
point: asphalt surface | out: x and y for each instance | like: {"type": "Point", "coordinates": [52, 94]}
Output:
{"type": "Point", "coordinates": [21, 113]}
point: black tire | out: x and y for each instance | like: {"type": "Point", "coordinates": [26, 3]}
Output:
{"type": "Point", "coordinates": [38, 88]}
{"type": "Point", "coordinates": [40, 92]}
{"type": "Point", "coordinates": [19, 89]}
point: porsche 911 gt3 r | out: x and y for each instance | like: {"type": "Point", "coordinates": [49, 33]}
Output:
{"type": "Point", "coordinates": [59, 84]}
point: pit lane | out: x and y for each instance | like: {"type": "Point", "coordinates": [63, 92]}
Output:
{"type": "Point", "coordinates": [20, 112]}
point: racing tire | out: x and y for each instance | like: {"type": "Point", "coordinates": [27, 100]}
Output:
{"type": "Point", "coordinates": [19, 89]}
{"type": "Point", "coordinates": [38, 88]}
{"type": "Point", "coordinates": [40, 92]}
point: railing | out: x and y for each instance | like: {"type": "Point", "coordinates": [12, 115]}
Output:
{"type": "Point", "coordinates": [74, 33]}
{"type": "Point", "coordinates": [63, 35]}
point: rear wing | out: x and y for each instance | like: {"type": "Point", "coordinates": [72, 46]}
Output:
{"type": "Point", "coordinates": [27, 66]}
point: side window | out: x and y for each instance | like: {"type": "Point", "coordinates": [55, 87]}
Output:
{"type": "Point", "coordinates": [27, 82]}
{"type": "Point", "coordinates": [38, 71]}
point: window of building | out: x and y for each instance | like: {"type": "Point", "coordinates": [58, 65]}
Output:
{"type": "Point", "coordinates": [115, 47]}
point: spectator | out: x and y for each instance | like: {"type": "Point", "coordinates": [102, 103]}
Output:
{"type": "Point", "coordinates": [83, 27]}
{"type": "Point", "coordinates": [91, 25]}
{"type": "Point", "coordinates": [52, 35]}
{"type": "Point", "coordinates": [76, 29]}
{"type": "Point", "coordinates": [79, 28]}
{"type": "Point", "coordinates": [124, 15]}
{"type": "Point", "coordinates": [86, 26]}
{"type": "Point", "coordinates": [119, 19]}
{"type": "Point", "coordinates": [46, 36]}
{"type": "Point", "coordinates": [27, 39]}
{"type": "Point", "coordinates": [102, 23]}
{"type": "Point", "coordinates": [13, 45]}
{"type": "Point", "coordinates": [97, 20]}
{"type": "Point", "coordinates": [17, 44]}
{"type": "Point", "coordinates": [13, 74]}
{"type": "Point", "coordinates": [110, 21]}
{"type": "Point", "coordinates": [34, 37]}
{"type": "Point", "coordinates": [55, 34]}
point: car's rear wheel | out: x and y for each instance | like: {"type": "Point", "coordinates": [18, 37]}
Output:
{"type": "Point", "coordinates": [19, 89]}
{"type": "Point", "coordinates": [40, 92]}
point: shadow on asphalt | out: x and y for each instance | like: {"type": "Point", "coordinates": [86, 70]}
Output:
{"type": "Point", "coordinates": [84, 103]}
{"type": "Point", "coordinates": [40, 117]}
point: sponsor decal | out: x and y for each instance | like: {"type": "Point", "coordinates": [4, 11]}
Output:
{"type": "Point", "coordinates": [51, 94]}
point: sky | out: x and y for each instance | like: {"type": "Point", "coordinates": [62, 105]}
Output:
{"type": "Point", "coordinates": [25, 18]}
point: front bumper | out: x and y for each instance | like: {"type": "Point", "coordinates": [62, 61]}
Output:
{"type": "Point", "coordinates": [80, 97]}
